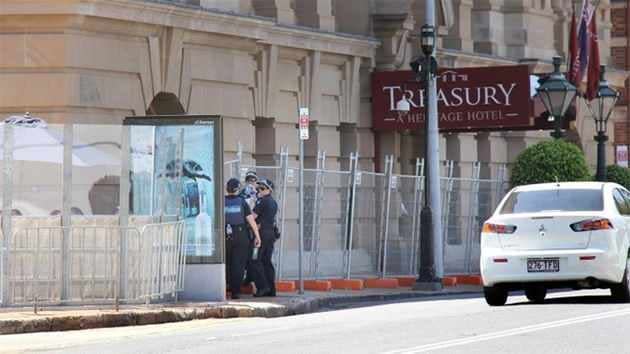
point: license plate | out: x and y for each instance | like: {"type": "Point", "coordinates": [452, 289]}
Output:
{"type": "Point", "coordinates": [543, 265]}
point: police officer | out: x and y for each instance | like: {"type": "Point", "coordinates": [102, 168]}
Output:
{"type": "Point", "coordinates": [265, 213]}
{"type": "Point", "coordinates": [249, 191]}
{"type": "Point", "coordinates": [239, 244]}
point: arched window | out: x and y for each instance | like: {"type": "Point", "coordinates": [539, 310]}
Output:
{"type": "Point", "coordinates": [165, 103]}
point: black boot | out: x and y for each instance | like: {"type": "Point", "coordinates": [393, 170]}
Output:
{"type": "Point", "coordinates": [262, 292]}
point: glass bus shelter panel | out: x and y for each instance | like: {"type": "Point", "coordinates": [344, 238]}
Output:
{"type": "Point", "coordinates": [96, 168]}
{"type": "Point", "coordinates": [35, 168]}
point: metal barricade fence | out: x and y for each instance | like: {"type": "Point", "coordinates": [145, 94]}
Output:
{"type": "Point", "coordinates": [93, 264]}
{"type": "Point", "coordinates": [163, 246]}
{"type": "Point", "coordinates": [404, 225]}
{"type": "Point", "coordinates": [471, 202]}
{"type": "Point", "coordinates": [330, 224]}
{"type": "Point", "coordinates": [367, 237]}
{"type": "Point", "coordinates": [3, 253]}
{"type": "Point", "coordinates": [367, 224]}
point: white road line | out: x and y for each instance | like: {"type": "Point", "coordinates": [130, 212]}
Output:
{"type": "Point", "coordinates": [262, 331]}
{"type": "Point", "coordinates": [510, 332]}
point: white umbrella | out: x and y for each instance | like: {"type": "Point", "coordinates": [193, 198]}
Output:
{"type": "Point", "coordinates": [34, 141]}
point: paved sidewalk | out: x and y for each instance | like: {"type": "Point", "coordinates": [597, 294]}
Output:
{"type": "Point", "coordinates": [62, 318]}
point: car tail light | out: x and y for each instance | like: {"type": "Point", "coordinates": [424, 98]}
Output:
{"type": "Point", "coordinates": [489, 228]}
{"type": "Point", "coordinates": [592, 225]}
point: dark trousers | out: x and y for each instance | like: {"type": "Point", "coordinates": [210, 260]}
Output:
{"type": "Point", "coordinates": [238, 253]}
{"type": "Point", "coordinates": [263, 271]}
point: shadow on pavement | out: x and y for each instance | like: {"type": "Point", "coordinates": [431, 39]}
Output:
{"type": "Point", "coordinates": [572, 300]}
{"type": "Point", "coordinates": [379, 302]}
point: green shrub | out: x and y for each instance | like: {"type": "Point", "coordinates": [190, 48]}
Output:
{"type": "Point", "coordinates": [550, 161]}
{"type": "Point", "coordinates": [619, 175]}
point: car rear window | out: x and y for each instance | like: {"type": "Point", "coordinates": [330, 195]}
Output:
{"type": "Point", "coordinates": [554, 200]}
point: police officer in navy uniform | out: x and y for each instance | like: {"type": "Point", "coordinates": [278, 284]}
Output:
{"type": "Point", "coordinates": [239, 244]}
{"type": "Point", "coordinates": [265, 213]}
{"type": "Point", "coordinates": [249, 193]}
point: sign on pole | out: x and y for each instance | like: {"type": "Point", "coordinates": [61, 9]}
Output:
{"type": "Point", "coordinates": [303, 123]}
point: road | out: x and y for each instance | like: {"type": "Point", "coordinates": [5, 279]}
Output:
{"type": "Point", "coordinates": [569, 322]}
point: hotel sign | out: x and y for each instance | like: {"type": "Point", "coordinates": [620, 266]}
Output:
{"type": "Point", "coordinates": [469, 99]}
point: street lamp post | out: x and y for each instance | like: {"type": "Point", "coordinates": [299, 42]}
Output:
{"type": "Point", "coordinates": [601, 108]}
{"type": "Point", "coordinates": [426, 70]}
{"type": "Point", "coordinates": [556, 93]}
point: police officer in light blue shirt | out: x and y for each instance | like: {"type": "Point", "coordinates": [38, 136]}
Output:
{"type": "Point", "coordinates": [249, 193]}
{"type": "Point", "coordinates": [238, 242]}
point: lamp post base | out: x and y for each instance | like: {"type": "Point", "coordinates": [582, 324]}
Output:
{"type": "Point", "coordinates": [427, 280]}
{"type": "Point", "coordinates": [435, 285]}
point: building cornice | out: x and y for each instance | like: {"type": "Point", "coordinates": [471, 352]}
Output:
{"type": "Point", "coordinates": [197, 19]}
{"type": "Point", "coordinates": [475, 57]}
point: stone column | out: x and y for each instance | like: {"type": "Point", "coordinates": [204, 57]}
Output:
{"type": "Point", "coordinates": [515, 145]}
{"type": "Point", "coordinates": [562, 25]}
{"type": "Point", "coordinates": [411, 147]}
{"type": "Point", "coordinates": [316, 14]}
{"type": "Point", "coordinates": [353, 16]}
{"type": "Point", "coordinates": [529, 29]}
{"type": "Point", "coordinates": [492, 150]}
{"type": "Point", "coordinates": [312, 145]}
{"type": "Point", "coordinates": [238, 6]}
{"type": "Point", "coordinates": [389, 145]}
{"type": "Point", "coordinates": [461, 148]}
{"type": "Point", "coordinates": [459, 36]}
{"type": "Point", "coordinates": [349, 143]}
{"type": "Point", "coordinates": [604, 27]}
{"type": "Point", "coordinates": [281, 10]}
{"type": "Point", "coordinates": [265, 142]}
{"type": "Point", "coordinates": [366, 137]}
{"type": "Point", "coordinates": [393, 24]}
{"type": "Point", "coordinates": [488, 27]}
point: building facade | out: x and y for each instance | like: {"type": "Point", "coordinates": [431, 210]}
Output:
{"type": "Point", "coordinates": [254, 62]}
{"type": "Point", "coordinates": [620, 53]}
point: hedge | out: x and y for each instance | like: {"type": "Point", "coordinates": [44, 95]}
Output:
{"type": "Point", "coordinates": [550, 161]}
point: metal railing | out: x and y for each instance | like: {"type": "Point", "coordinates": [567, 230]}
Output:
{"type": "Point", "coordinates": [367, 224]}
{"type": "Point", "coordinates": [92, 264]}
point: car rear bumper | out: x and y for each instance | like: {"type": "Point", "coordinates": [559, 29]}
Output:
{"type": "Point", "coordinates": [499, 267]}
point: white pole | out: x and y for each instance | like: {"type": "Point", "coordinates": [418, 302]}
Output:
{"type": "Point", "coordinates": [433, 154]}
{"type": "Point", "coordinates": [301, 217]}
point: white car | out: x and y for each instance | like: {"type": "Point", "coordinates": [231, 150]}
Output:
{"type": "Point", "coordinates": [557, 235]}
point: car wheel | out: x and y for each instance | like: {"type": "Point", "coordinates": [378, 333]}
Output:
{"type": "Point", "coordinates": [495, 296]}
{"type": "Point", "coordinates": [536, 294]}
{"type": "Point", "coordinates": [621, 291]}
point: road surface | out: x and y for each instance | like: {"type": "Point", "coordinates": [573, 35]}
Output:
{"type": "Point", "coordinates": [569, 322]}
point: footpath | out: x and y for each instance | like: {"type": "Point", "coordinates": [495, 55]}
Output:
{"type": "Point", "coordinates": [64, 318]}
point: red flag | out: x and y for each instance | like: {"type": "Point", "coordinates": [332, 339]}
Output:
{"type": "Point", "coordinates": [574, 65]}
{"type": "Point", "coordinates": [593, 60]}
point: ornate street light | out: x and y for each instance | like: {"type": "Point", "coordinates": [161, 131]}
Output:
{"type": "Point", "coordinates": [556, 93]}
{"type": "Point", "coordinates": [601, 108]}
{"type": "Point", "coordinates": [427, 39]}
{"type": "Point", "coordinates": [425, 69]}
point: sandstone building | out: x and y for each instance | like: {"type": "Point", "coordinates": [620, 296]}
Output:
{"type": "Point", "coordinates": [254, 62]}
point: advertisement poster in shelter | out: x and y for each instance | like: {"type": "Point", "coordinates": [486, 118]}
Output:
{"type": "Point", "coordinates": [194, 184]}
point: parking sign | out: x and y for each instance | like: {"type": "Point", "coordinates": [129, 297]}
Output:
{"type": "Point", "coordinates": [303, 123]}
